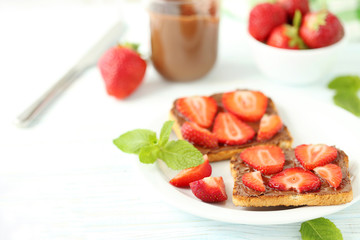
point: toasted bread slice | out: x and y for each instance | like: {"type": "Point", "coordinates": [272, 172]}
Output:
{"type": "Point", "coordinates": [282, 139]}
{"type": "Point", "coordinates": [326, 195]}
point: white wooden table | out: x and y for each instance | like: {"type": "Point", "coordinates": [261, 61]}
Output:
{"type": "Point", "coordinates": [63, 178]}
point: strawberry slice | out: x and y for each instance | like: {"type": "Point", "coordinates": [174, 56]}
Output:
{"type": "Point", "coordinates": [247, 105]}
{"type": "Point", "coordinates": [254, 181]}
{"type": "Point", "coordinates": [314, 155]}
{"type": "Point", "coordinates": [269, 126]}
{"type": "Point", "coordinates": [230, 130]}
{"type": "Point", "coordinates": [295, 178]}
{"type": "Point", "coordinates": [198, 109]}
{"type": "Point", "coordinates": [186, 176]}
{"type": "Point", "coordinates": [268, 159]}
{"type": "Point", "coordinates": [209, 189]}
{"type": "Point", "coordinates": [331, 173]}
{"type": "Point", "coordinates": [198, 135]}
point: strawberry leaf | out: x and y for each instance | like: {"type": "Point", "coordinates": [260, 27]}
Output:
{"type": "Point", "coordinates": [320, 228]}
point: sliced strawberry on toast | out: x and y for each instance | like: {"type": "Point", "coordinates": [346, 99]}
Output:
{"type": "Point", "coordinates": [209, 189]}
{"type": "Point", "coordinates": [186, 176]}
{"type": "Point", "coordinates": [198, 109]}
{"type": "Point", "coordinates": [331, 173]}
{"type": "Point", "coordinates": [269, 126]}
{"type": "Point", "coordinates": [247, 105]}
{"type": "Point", "coordinates": [254, 181]}
{"type": "Point", "coordinates": [295, 178]}
{"type": "Point", "coordinates": [198, 135]}
{"type": "Point", "coordinates": [268, 159]}
{"type": "Point", "coordinates": [230, 130]}
{"type": "Point", "coordinates": [315, 155]}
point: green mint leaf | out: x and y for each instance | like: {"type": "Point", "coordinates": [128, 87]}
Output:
{"type": "Point", "coordinates": [349, 101]}
{"type": "Point", "coordinates": [180, 154]}
{"type": "Point", "coordinates": [133, 141]}
{"type": "Point", "coordinates": [348, 82]}
{"type": "Point", "coordinates": [165, 132]}
{"type": "Point", "coordinates": [320, 228]}
{"type": "Point", "coordinates": [149, 154]}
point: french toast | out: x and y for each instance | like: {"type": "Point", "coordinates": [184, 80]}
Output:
{"type": "Point", "coordinates": [223, 151]}
{"type": "Point", "coordinates": [273, 193]}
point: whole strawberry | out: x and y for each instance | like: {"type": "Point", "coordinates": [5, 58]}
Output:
{"type": "Point", "coordinates": [292, 5]}
{"type": "Point", "coordinates": [287, 36]}
{"type": "Point", "coordinates": [122, 69]}
{"type": "Point", "coordinates": [321, 29]}
{"type": "Point", "coordinates": [264, 18]}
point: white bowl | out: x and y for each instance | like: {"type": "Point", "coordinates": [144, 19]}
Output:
{"type": "Point", "coordinates": [295, 67]}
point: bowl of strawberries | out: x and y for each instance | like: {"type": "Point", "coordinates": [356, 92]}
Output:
{"type": "Point", "coordinates": [293, 45]}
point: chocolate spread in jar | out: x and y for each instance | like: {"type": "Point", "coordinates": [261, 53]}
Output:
{"type": "Point", "coordinates": [184, 37]}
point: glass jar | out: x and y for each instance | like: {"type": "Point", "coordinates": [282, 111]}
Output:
{"type": "Point", "coordinates": [184, 37]}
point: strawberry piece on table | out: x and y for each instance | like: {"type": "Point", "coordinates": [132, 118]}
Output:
{"type": "Point", "coordinates": [247, 105]}
{"type": "Point", "coordinates": [122, 69]}
{"type": "Point", "coordinates": [209, 189]}
{"type": "Point", "coordinates": [315, 155]}
{"type": "Point", "coordinates": [321, 29]}
{"type": "Point", "coordinates": [331, 173]}
{"type": "Point", "coordinates": [264, 18]}
{"type": "Point", "coordinates": [186, 176]}
{"type": "Point", "coordinates": [269, 126]}
{"type": "Point", "coordinates": [295, 178]}
{"type": "Point", "coordinates": [254, 181]}
{"type": "Point", "coordinates": [198, 109]}
{"type": "Point", "coordinates": [230, 130]}
{"type": "Point", "coordinates": [268, 159]}
{"type": "Point", "coordinates": [292, 5]}
{"type": "Point", "coordinates": [198, 135]}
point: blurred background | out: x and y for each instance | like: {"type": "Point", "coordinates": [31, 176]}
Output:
{"type": "Point", "coordinates": [347, 10]}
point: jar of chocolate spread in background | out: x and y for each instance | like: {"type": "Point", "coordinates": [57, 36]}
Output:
{"type": "Point", "coordinates": [184, 37]}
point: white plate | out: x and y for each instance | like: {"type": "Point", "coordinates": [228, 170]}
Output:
{"type": "Point", "coordinates": [309, 121]}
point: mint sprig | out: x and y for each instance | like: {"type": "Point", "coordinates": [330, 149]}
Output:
{"type": "Point", "coordinates": [346, 96]}
{"type": "Point", "coordinates": [177, 155]}
{"type": "Point", "coordinates": [320, 228]}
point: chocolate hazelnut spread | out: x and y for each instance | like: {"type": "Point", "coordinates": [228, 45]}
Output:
{"type": "Point", "coordinates": [282, 135]}
{"type": "Point", "coordinates": [184, 38]}
{"type": "Point", "coordinates": [240, 167]}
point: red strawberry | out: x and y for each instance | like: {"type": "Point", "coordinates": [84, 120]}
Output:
{"type": "Point", "coordinates": [285, 36]}
{"type": "Point", "coordinates": [209, 189]}
{"type": "Point", "coordinates": [200, 110]}
{"type": "Point", "coordinates": [122, 69]}
{"type": "Point", "coordinates": [254, 180]}
{"type": "Point", "coordinates": [247, 105]}
{"type": "Point", "coordinates": [264, 18]}
{"type": "Point", "coordinates": [321, 29]}
{"type": "Point", "coordinates": [231, 131]}
{"type": "Point", "coordinates": [331, 173]}
{"type": "Point", "coordinates": [314, 155]}
{"type": "Point", "coordinates": [295, 178]}
{"type": "Point", "coordinates": [186, 176]}
{"type": "Point", "coordinates": [269, 126]}
{"type": "Point", "coordinates": [268, 159]}
{"type": "Point", "coordinates": [292, 5]}
{"type": "Point", "coordinates": [198, 135]}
